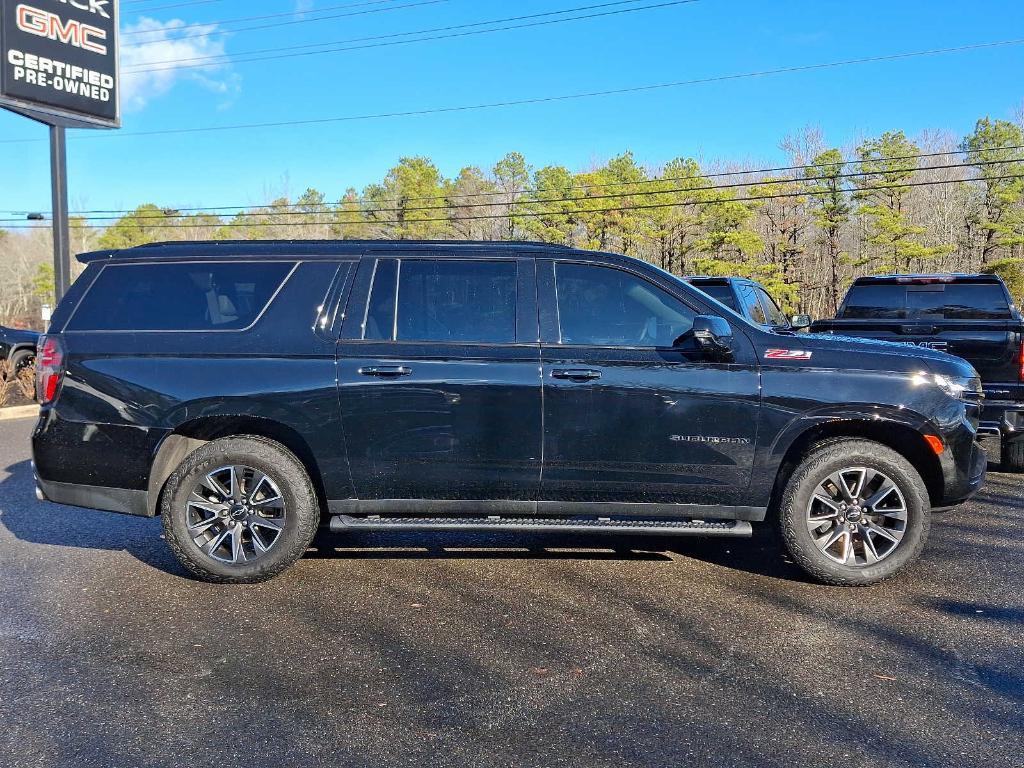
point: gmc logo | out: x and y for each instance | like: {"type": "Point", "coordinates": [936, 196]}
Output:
{"type": "Point", "coordinates": [52, 27]}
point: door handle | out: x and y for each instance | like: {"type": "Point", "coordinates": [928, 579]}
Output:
{"type": "Point", "coordinates": [385, 370]}
{"type": "Point", "coordinates": [576, 374]}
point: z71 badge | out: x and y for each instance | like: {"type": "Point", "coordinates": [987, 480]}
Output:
{"type": "Point", "coordinates": [787, 354]}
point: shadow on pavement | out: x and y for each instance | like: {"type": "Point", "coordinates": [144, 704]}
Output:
{"type": "Point", "coordinates": [59, 525]}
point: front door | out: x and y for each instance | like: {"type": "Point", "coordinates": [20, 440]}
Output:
{"type": "Point", "coordinates": [629, 417]}
{"type": "Point", "coordinates": [439, 381]}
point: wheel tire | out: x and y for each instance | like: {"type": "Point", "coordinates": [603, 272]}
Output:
{"type": "Point", "coordinates": [20, 359]}
{"type": "Point", "coordinates": [1011, 457]}
{"type": "Point", "coordinates": [23, 372]}
{"type": "Point", "coordinates": [815, 469]}
{"type": "Point", "coordinates": [300, 524]}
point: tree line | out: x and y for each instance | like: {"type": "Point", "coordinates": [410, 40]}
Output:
{"type": "Point", "coordinates": [887, 203]}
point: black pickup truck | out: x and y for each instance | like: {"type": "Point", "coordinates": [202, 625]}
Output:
{"type": "Point", "coordinates": [18, 347]}
{"type": "Point", "coordinates": [970, 316]}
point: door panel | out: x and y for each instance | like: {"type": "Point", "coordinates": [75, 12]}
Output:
{"type": "Point", "coordinates": [449, 417]}
{"type": "Point", "coordinates": [641, 424]}
{"type": "Point", "coordinates": [654, 427]}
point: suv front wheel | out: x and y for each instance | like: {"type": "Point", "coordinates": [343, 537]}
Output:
{"type": "Point", "coordinates": [239, 510]}
{"type": "Point", "coordinates": [854, 513]}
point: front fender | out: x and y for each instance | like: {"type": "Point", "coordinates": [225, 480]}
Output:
{"type": "Point", "coordinates": [858, 413]}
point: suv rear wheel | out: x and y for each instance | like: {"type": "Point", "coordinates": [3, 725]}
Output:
{"type": "Point", "coordinates": [239, 510]}
{"type": "Point", "coordinates": [854, 513]}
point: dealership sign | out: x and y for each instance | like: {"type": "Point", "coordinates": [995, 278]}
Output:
{"type": "Point", "coordinates": [60, 61]}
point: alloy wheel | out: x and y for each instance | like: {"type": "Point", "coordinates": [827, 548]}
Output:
{"type": "Point", "coordinates": [857, 516]}
{"type": "Point", "coordinates": [235, 514]}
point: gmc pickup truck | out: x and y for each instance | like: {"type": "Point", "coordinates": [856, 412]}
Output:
{"type": "Point", "coordinates": [970, 316]}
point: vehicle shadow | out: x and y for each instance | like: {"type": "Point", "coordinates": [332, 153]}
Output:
{"type": "Point", "coordinates": [52, 524]}
{"type": "Point", "coordinates": [58, 525]}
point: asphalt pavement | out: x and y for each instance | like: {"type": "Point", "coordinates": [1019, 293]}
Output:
{"type": "Point", "coordinates": [469, 650]}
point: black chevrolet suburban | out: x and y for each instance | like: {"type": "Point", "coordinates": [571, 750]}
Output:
{"type": "Point", "coordinates": [250, 392]}
{"type": "Point", "coordinates": [970, 316]}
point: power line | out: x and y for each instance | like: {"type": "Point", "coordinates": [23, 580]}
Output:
{"type": "Point", "coordinates": [214, 32]}
{"type": "Point", "coordinates": [165, 7]}
{"type": "Point", "coordinates": [197, 25]}
{"type": "Point", "coordinates": [536, 214]}
{"type": "Point", "coordinates": [599, 185]}
{"type": "Point", "coordinates": [295, 50]}
{"type": "Point", "coordinates": [539, 99]}
{"type": "Point", "coordinates": [540, 201]}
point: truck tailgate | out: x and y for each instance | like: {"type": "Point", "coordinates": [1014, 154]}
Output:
{"type": "Point", "coordinates": [992, 347]}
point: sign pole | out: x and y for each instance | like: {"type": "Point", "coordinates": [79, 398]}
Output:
{"type": "Point", "coordinates": [61, 230]}
{"type": "Point", "coordinates": [59, 67]}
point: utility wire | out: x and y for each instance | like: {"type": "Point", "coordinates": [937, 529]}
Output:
{"type": "Point", "coordinates": [150, 9]}
{"type": "Point", "coordinates": [540, 201]}
{"type": "Point", "coordinates": [536, 214]}
{"type": "Point", "coordinates": [721, 174]}
{"type": "Point", "coordinates": [200, 24]}
{"type": "Point", "coordinates": [211, 33]}
{"type": "Point", "coordinates": [538, 99]}
{"type": "Point", "coordinates": [293, 51]}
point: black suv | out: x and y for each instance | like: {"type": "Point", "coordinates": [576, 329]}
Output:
{"type": "Point", "coordinates": [251, 391]}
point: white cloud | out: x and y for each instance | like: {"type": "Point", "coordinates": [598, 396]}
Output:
{"type": "Point", "coordinates": [149, 44]}
{"type": "Point", "coordinates": [302, 7]}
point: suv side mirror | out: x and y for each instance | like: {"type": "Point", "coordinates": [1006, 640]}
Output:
{"type": "Point", "coordinates": [799, 322]}
{"type": "Point", "coordinates": [711, 335]}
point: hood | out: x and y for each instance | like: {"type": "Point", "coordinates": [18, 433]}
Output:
{"type": "Point", "coordinates": [829, 351]}
{"type": "Point", "coordinates": [16, 335]}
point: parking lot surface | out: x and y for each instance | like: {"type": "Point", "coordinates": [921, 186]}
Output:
{"type": "Point", "coordinates": [470, 650]}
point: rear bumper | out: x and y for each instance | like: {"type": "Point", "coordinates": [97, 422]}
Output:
{"type": "Point", "coordinates": [99, 466]}
{"type": "Point", "coordinates": [1002, 418]}
{"type": "Point", "coordinates": [123, 500]}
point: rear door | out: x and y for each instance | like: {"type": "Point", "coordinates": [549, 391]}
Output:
{"type": "Point", "coordinates": [972, 320]}
{"type": "Point", "coordinates": [439, 378]}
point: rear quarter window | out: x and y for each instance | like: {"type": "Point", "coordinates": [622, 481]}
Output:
{"type": "Point", "coordinates": [722, 294]}
{"type": "Point", "coordinates": [193, 296]}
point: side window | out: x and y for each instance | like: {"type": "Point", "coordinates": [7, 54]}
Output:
{"type": "Point", "coordinates": [771, 309]}
{"type": "Point", "coordinates": [442, 300]}
{"type": "Point", "coordinates": [751, 307]}
{"type": "Point", "coordinates": [603, 306]}
{"type": "Point", "coordinates": [456, 300]}
{"type": "Point", "coordinates": [380, 312]}
{"type": "Point", "coordinates": [192, 296]}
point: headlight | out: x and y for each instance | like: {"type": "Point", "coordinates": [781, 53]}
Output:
{"type": "Point", "coordinates": [958, 387]}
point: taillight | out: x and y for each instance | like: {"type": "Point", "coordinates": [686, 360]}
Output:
{"type": "Point", "coordinates": [49, 368]}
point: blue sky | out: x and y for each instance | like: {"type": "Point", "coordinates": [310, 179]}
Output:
{"type": "Point", "coordinates": [738, 120]}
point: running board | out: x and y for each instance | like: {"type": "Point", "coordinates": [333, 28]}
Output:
{"type": "Point", "coordinates": [340, 523]}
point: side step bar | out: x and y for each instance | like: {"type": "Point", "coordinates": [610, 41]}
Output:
{"type": "Point", "coordinates": [633, 527]}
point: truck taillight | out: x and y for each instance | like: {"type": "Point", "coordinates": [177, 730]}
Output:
{"type": "Point", "coordinates": [49, 368]}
